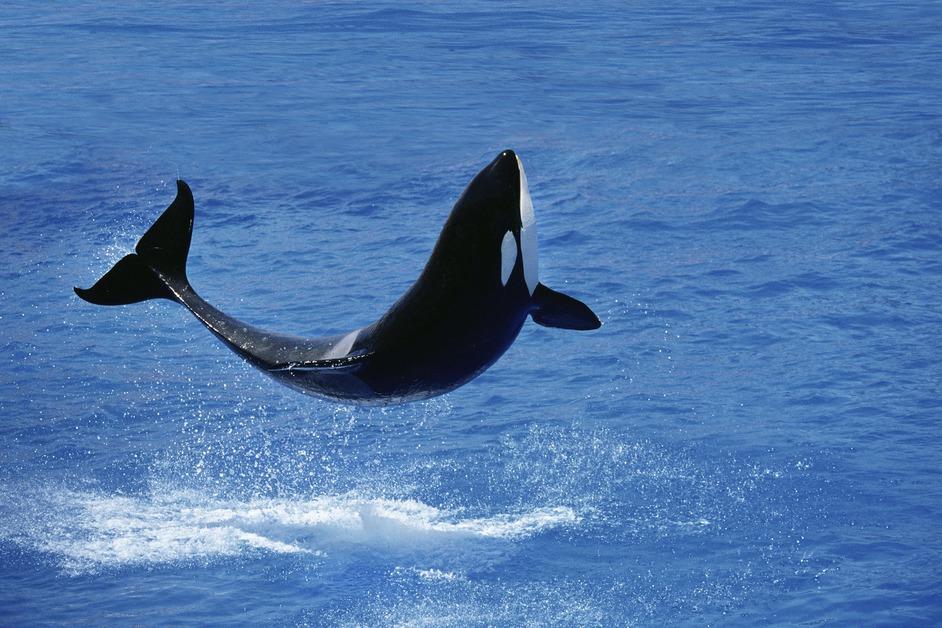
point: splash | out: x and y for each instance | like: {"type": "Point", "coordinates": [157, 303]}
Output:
{"type": "Point", "coordinates": [89, 531]}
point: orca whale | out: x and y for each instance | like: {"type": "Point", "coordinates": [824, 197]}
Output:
{"type": "Point", "coordinates": [464, 311]}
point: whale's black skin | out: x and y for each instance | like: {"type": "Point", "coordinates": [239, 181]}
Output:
{"type": "Point", "coordinates": [457, 319]}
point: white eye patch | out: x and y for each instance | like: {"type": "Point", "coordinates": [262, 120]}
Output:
{"type": "Point", "coordinates": [508, 257]}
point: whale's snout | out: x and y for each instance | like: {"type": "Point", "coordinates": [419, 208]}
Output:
{"type": "Point", "coordinates": [505, 165]}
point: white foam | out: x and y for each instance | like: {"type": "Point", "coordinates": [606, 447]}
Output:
{"type": "Point", "coordinates": [90, 530]}
{"type": "Point", "coordinates": [429, 575]}
{"type": "Point", "coordinates": [437, 575]}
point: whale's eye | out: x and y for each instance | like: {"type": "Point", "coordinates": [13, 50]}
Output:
{"type": "Point", "coordinates": [508, 257]}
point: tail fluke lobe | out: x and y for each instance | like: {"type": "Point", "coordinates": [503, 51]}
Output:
{"type": "Point", "coordinates": [128, 281]}
{"type": "Point", "coordinates": [160, 259]}
{"type": "Point", "coordinates": [166, 244]}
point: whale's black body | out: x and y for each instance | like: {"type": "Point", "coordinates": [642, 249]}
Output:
{"type": "Point", "coordinates": [459, 317]}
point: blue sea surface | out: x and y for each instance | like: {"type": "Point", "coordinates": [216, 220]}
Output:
{"type": "Point", "coordinates": [749, 194]}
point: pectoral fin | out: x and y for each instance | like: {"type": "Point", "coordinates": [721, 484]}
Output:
{"type": "Point", "coordinates": [555, 309]}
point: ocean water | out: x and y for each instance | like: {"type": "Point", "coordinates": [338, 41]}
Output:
{"type": "Point", "coordinates": [748, 194]}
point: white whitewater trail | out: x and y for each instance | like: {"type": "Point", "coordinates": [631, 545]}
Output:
{"type": "Point", "coordinates": [88, 531]}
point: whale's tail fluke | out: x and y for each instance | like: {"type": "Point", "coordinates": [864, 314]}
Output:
{"type": "Point", "coordinates": [157, 269]}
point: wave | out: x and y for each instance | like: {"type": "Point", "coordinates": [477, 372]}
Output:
{"type": "Point", "coordinates": [88, 531]}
